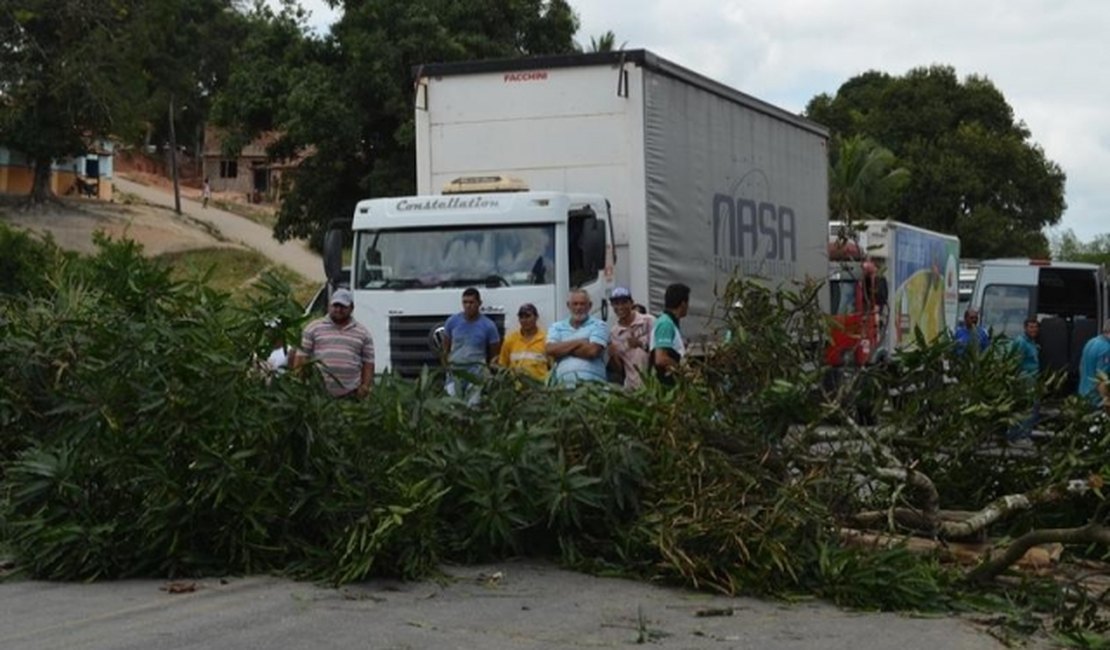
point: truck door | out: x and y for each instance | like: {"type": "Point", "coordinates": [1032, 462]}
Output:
{"type": "Point", "coordinates": [587, 244]}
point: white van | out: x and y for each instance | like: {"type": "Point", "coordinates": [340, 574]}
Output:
{"type": "Point", "coordinates": [1068, 298]}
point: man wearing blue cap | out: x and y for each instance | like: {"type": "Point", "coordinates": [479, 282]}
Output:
{"type": "Point", "coordinates": [629, 339]}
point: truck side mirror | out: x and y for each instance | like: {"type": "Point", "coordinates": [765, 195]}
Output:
{"type": "Point", "coordinates": [333, 250]}
{"type": "Point", "coordinates": [593, 245]}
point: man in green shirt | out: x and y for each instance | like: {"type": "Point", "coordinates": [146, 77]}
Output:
{"type": "Point", "coordinates": [667, 346]}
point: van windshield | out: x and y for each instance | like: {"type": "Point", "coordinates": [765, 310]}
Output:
{"type": "Point", "coordinates": [426, 258]}
{"type": "Point", "coordinates": [1005, 308]}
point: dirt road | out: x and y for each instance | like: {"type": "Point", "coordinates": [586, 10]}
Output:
{"type": "Point", "coordinates": [511, 605]}
{"type": "Point", "coordinates": [293, 254]}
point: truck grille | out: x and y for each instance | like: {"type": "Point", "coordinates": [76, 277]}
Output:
{"type": "Point", "coordinates": [409, 347]}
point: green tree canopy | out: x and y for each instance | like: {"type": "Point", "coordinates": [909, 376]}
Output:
{"type": "Point", "coordinates": [973, 170]}
{"type": "Point", "coordinates": [72, 71]}
{"type": "Point", "coordinates": [345, 101]}
{"type": "Point", "coordinates": [67, 75]}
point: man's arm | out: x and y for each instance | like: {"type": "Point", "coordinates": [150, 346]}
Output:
{"type": "Point", "coordinates": [560, 349]}
{"type": "Point", "coordinates": [589, 350]}
{"type": "Point", "coordinates": [597, 342]}
{"type": "Point", "coordinates": [663, 360]}
{"type": "Point", "coordinates": [302, 356]}
{"type": "Point", "coordinates": [662, 338]}
{"type": "Point", "coordinates": [493, 351]}
{"type": "Point", "coordinates": [366, 380]}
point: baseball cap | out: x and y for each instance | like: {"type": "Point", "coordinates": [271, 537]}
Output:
{"type": "Point", "coordinates": [527, 308]}
{"type": "Point", "coordinates": [620, 293]}
{"type": "Point", "coordinates": [342, 297]}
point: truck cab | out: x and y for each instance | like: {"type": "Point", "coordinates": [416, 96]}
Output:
{"type": "Point", "coordinates": [888, 281]}
{"type": "Point", "coordinates": [413, 256]}
{"type": "Point", "coordinates": [1068, 298]}
{"type": "Point", "coordinates": [857, 300]}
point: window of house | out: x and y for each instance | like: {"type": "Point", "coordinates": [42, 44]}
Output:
{"type": "Point", "coordinates": [229, 169]}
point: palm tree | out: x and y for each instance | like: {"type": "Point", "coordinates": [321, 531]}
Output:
{"type": "Point", "coordinates": [605, 43]}
{"type": "Point", "coordinates": [863, 179]}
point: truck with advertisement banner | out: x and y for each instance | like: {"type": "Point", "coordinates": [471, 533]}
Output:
{"type": "Point", "coordinates": [639, 173]}
{"type": "Point", "coordinates": [888, 281]}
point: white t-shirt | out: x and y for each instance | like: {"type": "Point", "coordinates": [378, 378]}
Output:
{"type": "Point", "coordinates": [278, 360]}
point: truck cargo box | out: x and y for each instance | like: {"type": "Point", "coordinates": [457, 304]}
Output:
{"type": "Point", "coordinates": [703, 180]}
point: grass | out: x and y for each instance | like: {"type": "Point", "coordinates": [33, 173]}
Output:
{"type": "Point", "coordinates": [234, 270]}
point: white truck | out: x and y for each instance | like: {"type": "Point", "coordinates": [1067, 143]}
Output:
{"type": "Point", "coordinates": [889, 280]}
{"type": "Point", "coordinates": [641, 173]}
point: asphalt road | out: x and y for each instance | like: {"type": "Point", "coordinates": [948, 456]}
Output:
{"type": "Point", "coordinates": [293, 254]}
{"type": "Point", "coordinates": [512, 605]}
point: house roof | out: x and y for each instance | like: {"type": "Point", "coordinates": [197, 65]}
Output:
{"type": "Point", "coordinates": [214, 142]}
{"type": "Point", "coordinates": [256, 150]}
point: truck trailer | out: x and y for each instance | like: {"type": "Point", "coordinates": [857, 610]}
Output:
{"type": "Point", "coordinates": [679, 178]}
{"type": "Point", "coordinates": [887, 282]}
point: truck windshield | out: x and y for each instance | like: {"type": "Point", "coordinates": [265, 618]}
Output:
{"type": "Point", "coordinates": [843, 296]}
{"type": "Point", "coordinates": [425, 258]}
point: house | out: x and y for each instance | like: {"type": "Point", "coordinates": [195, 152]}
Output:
{"type": "Point", "coordinates": [252, 172]}
{"type": "Point", "coordinates": [89, 174]}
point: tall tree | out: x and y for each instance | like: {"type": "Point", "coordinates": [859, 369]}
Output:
{"type": "Point", "coordinates": [1067, 247]}
{"type": "Point", "coordinates": [185, 48]}
{"type": "Point", "coordinates": [67, 75]}
{"type": "Point", "coordinates": [863, 179]}
{"type": "Point", "coordinates": [346, 101]}
{"type": "Point", "coordinates": [973, 169]}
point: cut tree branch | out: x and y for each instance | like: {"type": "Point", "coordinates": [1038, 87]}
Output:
{"type": "Point", "coordinates": [1091, 533]}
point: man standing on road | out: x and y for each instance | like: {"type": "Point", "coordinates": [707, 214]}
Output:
{"type": "Point", "coordinates": [629, 339]}
{"type": "Point", "coordinates": [970, 333]}
{"type": "Point", "coordinates": [1094, 366]}
{"type": "Point", "coordinates": [343, 348]}
{"type": "Point", "coordinates": [667, 346]}
{"type": "Point", "coordinates": [471, 341]}
{"type": "Point", "coordinates": [1029, 359]}
{"type": "Point", "coordinates": [578, 343]}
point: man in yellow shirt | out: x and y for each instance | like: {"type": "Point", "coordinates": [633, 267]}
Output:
{"type": "Point", "coordinates": [523, 349]}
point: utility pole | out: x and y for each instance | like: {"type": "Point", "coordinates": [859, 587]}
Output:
{"type": "Point", "coordinates": [173, 161]}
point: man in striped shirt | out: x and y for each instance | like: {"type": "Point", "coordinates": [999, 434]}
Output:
{"type": "Point", "coordinates": [342, 347]}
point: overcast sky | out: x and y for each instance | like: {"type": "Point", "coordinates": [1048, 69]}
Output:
{"type": "Point", "coordinates": [1050, 59]}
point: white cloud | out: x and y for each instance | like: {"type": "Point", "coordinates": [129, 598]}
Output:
{"type": "Point", "coordinates": [1048, 57]}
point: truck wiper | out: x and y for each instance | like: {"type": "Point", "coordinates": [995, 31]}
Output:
{"type": "Point", "coordinates": [489, 281]}
{"type": "Point", "coordinates": [401, 283]}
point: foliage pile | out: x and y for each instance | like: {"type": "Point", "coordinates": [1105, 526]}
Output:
{"type": "Point", "coordinates": [141, 437]}
{"type": "Point", "coordinates": [143, 440]}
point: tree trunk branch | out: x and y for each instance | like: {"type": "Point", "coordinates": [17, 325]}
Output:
{"type": "Point", "coordinates": [1091, 533]}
